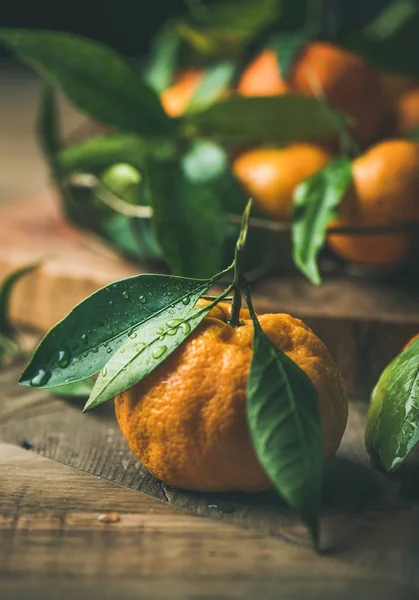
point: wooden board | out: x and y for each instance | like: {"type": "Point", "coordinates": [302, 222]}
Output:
{"type": "Point", "coordinates": [52, 545]}
{"type": "Point", "coordinates": [364, 323]}
{"type": "Point", "coordinates": [251, 545]}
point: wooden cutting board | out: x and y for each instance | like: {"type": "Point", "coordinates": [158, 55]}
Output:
{"type": "Point", "coordinates": [364, 323]}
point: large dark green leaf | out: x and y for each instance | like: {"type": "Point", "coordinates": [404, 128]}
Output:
{"type": "Point", "coordinates": [188, 221]}
{"type": "Point", "coordinates": [92, 76]}
{"type": "Point", "coordinates": [395, 432]}
{"type": "Point", "coordinates": [316, 203]}
{"type": "Point", "coordinates": [279, 119]}
{"type": "Point", "coordinates": [390, 41]}
{"type": "Point", "coordinates": [284, 422]}
{"type": "Point", "coordinates": [97, 154]}
{"type": "Point", "coordinates": [81, 344]}
{"type": "Point", "coordinates": [6, 289]}
{"type": "Point", "coordinates": [215, 80]}
{"type": "Point", "coordinates": [147, 347]}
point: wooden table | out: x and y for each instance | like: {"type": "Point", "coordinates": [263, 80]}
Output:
{"type": "Point", "coordinates": [60, 470]}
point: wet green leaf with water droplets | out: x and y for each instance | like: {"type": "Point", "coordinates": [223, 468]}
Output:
{"type": "Point", "coordinates": [156, 340]}
{"type": "Point", "coordinates": [393, 428]}
{"type": "Point", "coordinates": [79, 346]}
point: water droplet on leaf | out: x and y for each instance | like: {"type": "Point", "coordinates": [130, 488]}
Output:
{"type": "Point", "coordinates": [95, 349]}
{"type": "Point", "coordinates": [104, 372]}
{"type": "Point", "coordinates": [133, 335]}
{"type": "Point", "coordinates": [110, 303]}
{"type": "Point", "coordinates": [158, 352]}
{"type": "Point", "coordinates": [186, 328]}
{"type": "Point", "coordinates": [173, 323]}
{"type": "Point", "coordinates": [122, 350]}
{"type": "Point", "coordinates": [186, 300]}
{"type": "Point", "coordinates": [63, 358]}
{"type": "Point", "coordinates": [41, 378]}
{"type": "Point", "coordinates": [160, 330]}
{"type": "Point", "coordinates": [125, 294]}
{"type": "Point", "coordinates": [143, 299]}
{"type": "Point", "coordinates": [109, 350]}
{"type": "Point", "coordinates": [84, 337]}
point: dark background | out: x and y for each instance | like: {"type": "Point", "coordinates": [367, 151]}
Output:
{"type": "Point", "coordinates": [128, 25]}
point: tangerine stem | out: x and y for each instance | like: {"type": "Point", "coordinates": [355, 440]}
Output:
{"type": "Point", "coordinates": [239, 267]}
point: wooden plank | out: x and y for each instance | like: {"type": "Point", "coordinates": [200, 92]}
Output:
{"type": "Point", "coordinates": [363, 323]}
{"type": "Point", "coordinates": [366, 522]}
{"type": "Point", "coordinates": [51, 542]}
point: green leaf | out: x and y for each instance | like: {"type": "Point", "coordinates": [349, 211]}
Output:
{"type": "Point", "coordinates": [284, 422]}
{"type": "Point", "coordinates": [316, 203]}
{"type": "Point", "coordinates": [374, 415]}
{"type": "Point", "coordinates": [81, 344]}
{"type": "Point", "coordinates": [79, 389]}
{"type": "Point", "coordinates": [278, 119]}
{"type": "Point", "coordinates": [48, 124]}
{"type": "Point", "coordinates": [207, 163]}
{"type": "Point", "coordinates": [244, 18]}
{"type": "Point", "coordinates": [155, 340]}
{"type": "Point", "coordinates": [97, 154]}
{"type": "Point", "coordinates": [6, 289]}
{"type": "Point", "coordinates": [8, 349]}
{"type": "Point", "coordinates": [162, 63]}
{"type": "Point", "coordinates": [215, 80]}
{"type": "Point", "coordinates": [188, 221]}
{"type": "Point", "coordinates": [94, 77]}
{"type": "Point", "coordinates": [397, 431]}
{"type": "Point", "coordinates": [287, 46]}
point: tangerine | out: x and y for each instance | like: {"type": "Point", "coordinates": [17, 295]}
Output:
{"type": "Point", "coordinates": [384, 192]}
{"type": "Point", "coordinates": [186, 422]}
{"type": "Point", "coordinates": [270, 175]}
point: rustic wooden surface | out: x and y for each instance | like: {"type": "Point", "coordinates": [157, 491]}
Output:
{"type": "Point", "coordinates": [364, 323]}
{"type": "Point", "coordinates": [250, 546]}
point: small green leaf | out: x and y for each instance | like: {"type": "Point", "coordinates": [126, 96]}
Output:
{"type": "Point", "coordinates": [278, 119]}
{"type": "Point", "coordinates": [188, 221]}
{"type": "Point", "coordinates": [6, 289]}
{"type": "Point", "coordinates": [154, 342]}
{"type": "Point", "coordinates": [396, 433]}
{"type": "Point", "coordinates": [79, 389]}
{"type": "Point", "coordinates": [316, 203]}
{"type": "Point", "coordinates": [287, 46]}
{"type": "Point", "coordinates": [162, 62]}
{"type": "Point", "coordinates": [92, 76]}
{"type": "Point", "coordinates": [284, 422]}
{"type": "Point", "coordinates": [81, 344]}
{"type": "Point", "coordinates": [97, 154]}
{"type": "Point", "coordinates": [215, 80]}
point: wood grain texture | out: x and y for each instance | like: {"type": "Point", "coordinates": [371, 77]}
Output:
{"type": "Point", "coordinates": [367, 524]}
{"type": "Point", "coordinates": [52, 545]}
